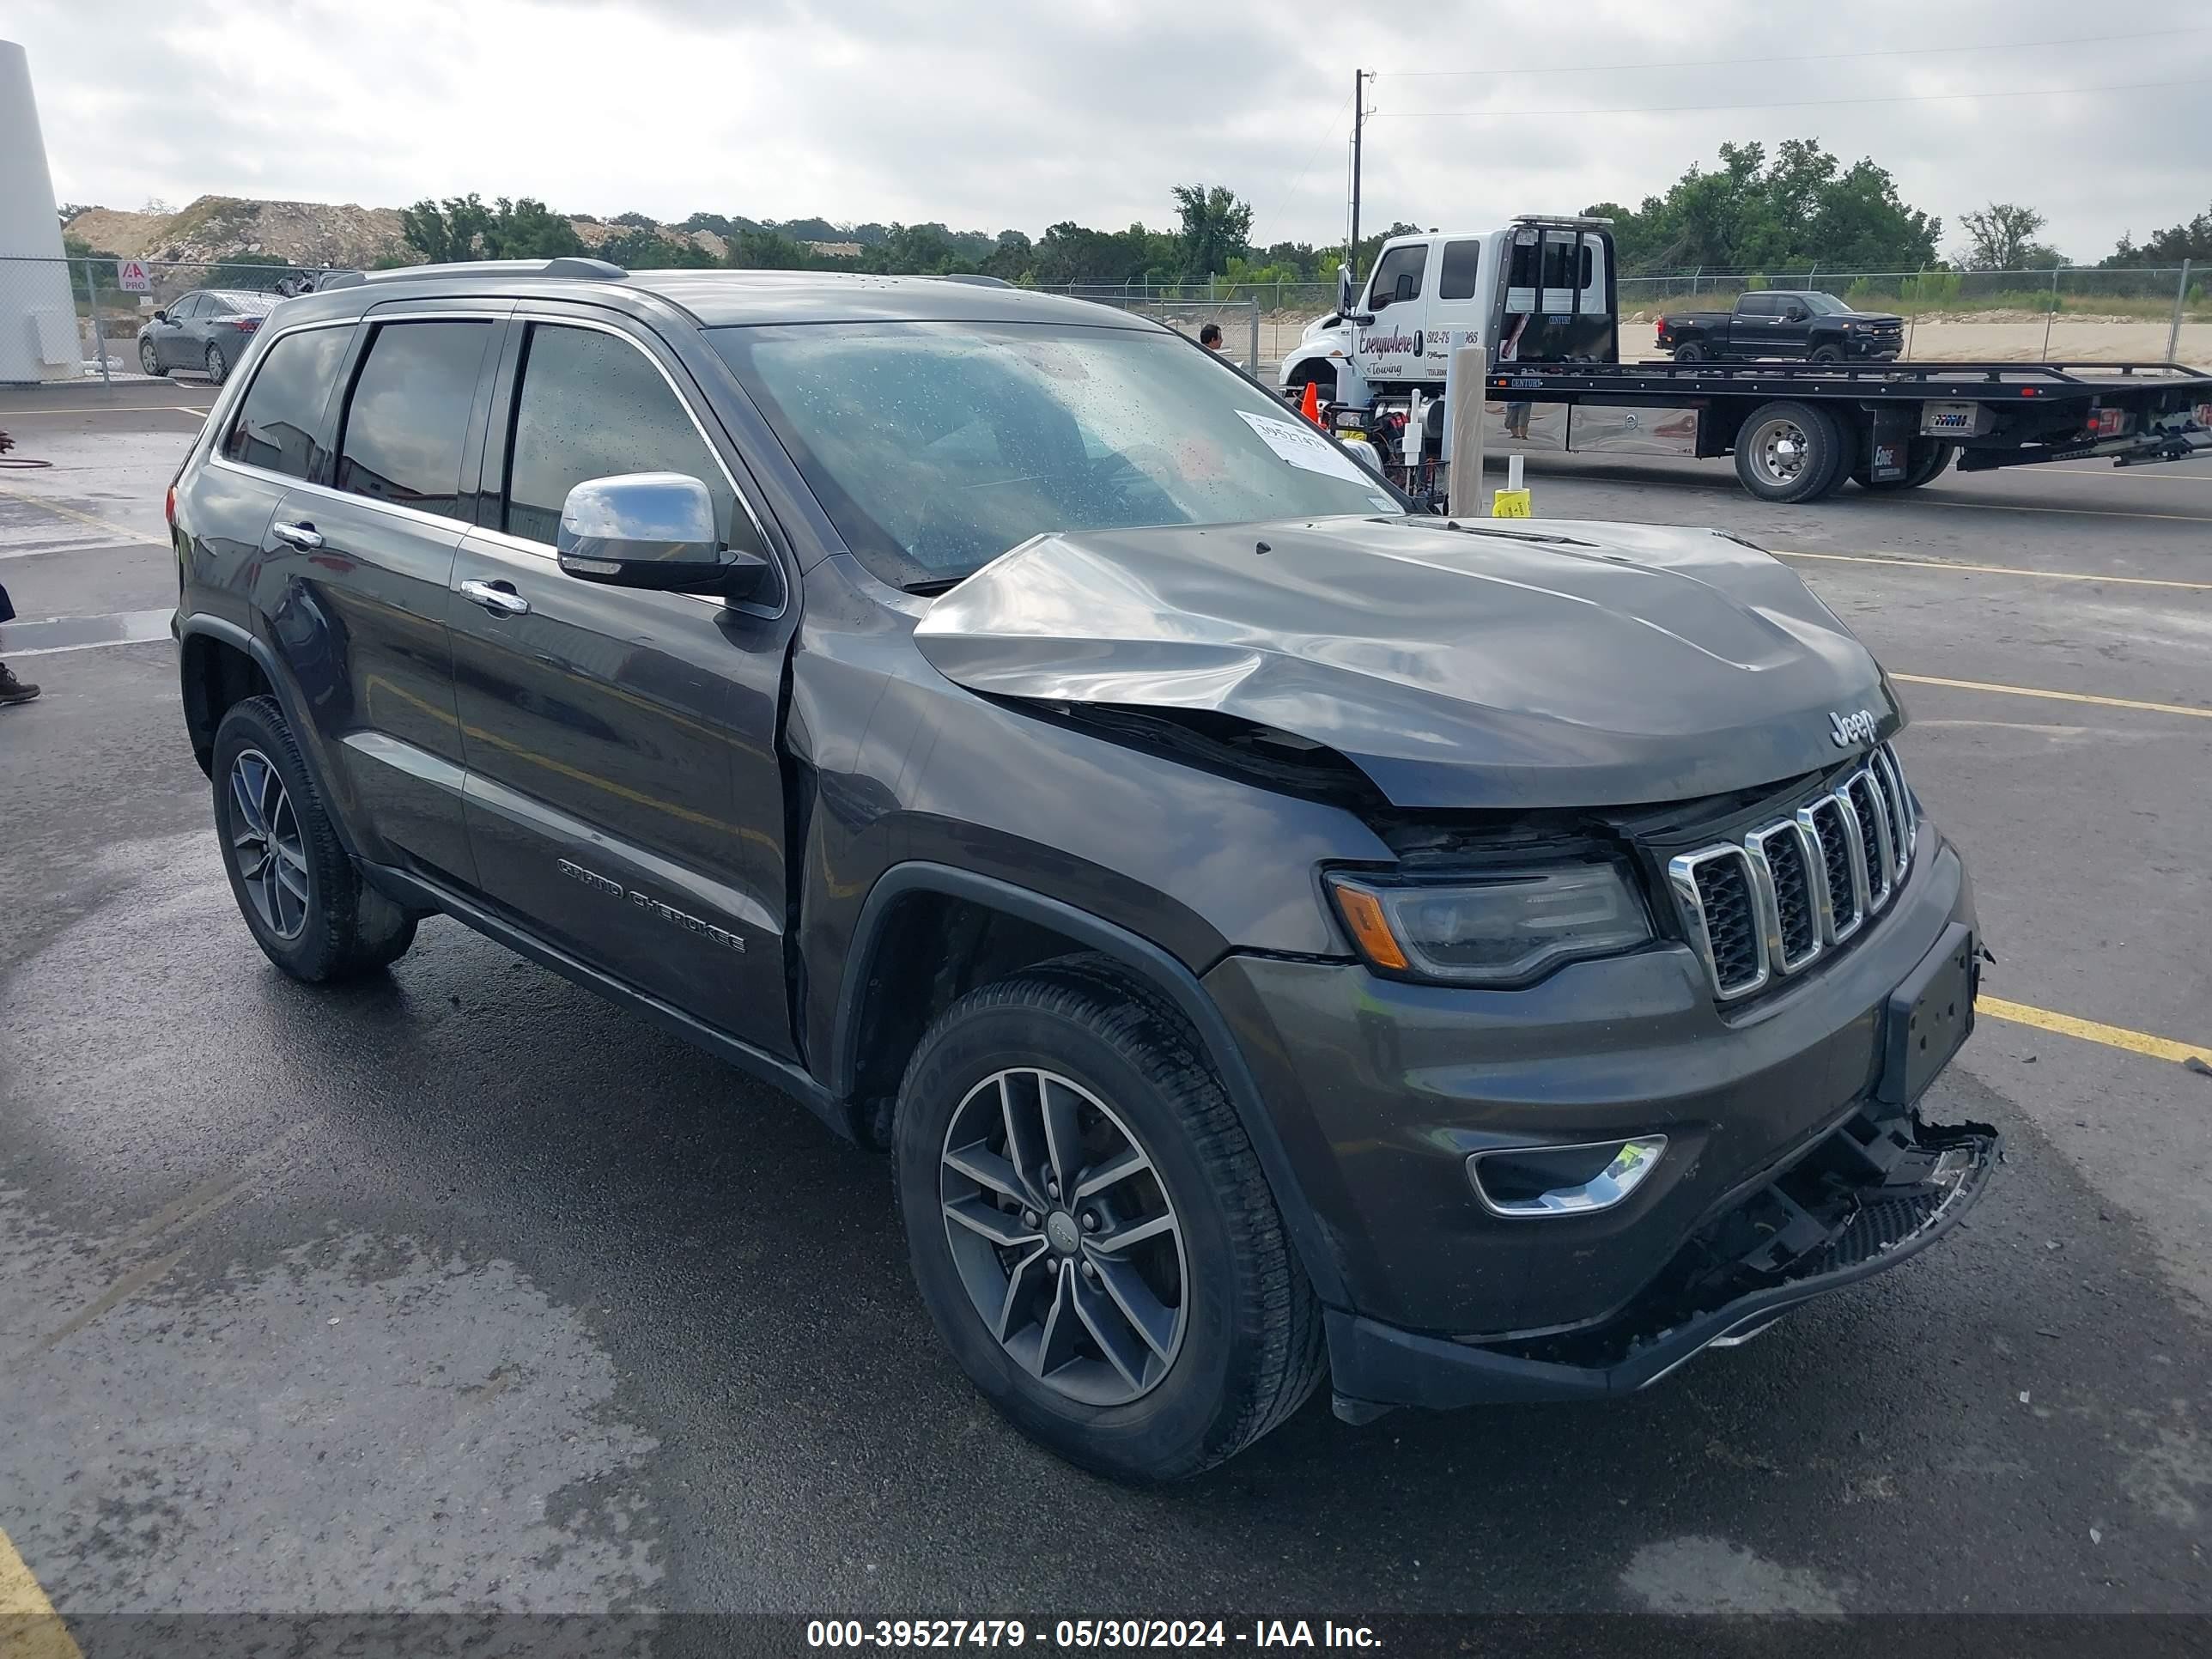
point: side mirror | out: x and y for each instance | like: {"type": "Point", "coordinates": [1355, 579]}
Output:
{"type": "Point", "coordinates": [1370, 456]}
{"type": "Point", "coordinates": [1343, 289]}
{"type": "Point", "coordinates": [653, 530]}
{"type": "Point", "coordinates": [161, 316]}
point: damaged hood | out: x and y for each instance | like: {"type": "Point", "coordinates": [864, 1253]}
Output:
{"type": "Point", "coordinates": [1553, 664]}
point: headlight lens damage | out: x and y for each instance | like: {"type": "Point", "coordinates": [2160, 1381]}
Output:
{"type": "Point", "coordinates": [1503, 929]}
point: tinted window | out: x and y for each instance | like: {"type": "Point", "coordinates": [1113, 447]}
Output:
{"type": "Point", "coordinates": [1755, 305]}
{"type": "Point", "coordinates": [276, 424]}
{"type": "Point", "coordinates": [1406, 261]}
{"type": "Point", "coordinates": [592, 405]}
{"type": "Point", "coordinates": [187, 307]}
{"type": "Point", "coordinates": [215, 305]}
{"type": "Point", "coordinates": [1456, 280]}
{"type": "Point", "coordinates": [409, 416]}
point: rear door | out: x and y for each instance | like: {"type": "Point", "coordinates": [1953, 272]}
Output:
{"type": "Point", "coordinates": [378, 546]}
{"type": "Point", "coordinates": [1457, 314]}
{"type": "Point", "coordinates": [625, 800]}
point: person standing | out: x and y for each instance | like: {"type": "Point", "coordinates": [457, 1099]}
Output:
{"type": "Point", "coordinates": [11, 688]}
{"type": "Point", "coordinates": [1209, 336]}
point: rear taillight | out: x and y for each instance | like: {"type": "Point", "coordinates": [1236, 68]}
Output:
{"type": "Point", "coordinates": [246, 324]}
{"type": "Point", "coordinates": [2106, 423]}
{"type": "Point", "coordinates": [169, 507]}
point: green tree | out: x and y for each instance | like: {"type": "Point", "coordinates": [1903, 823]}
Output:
{"type": "Point", "coordinates": [1801, 208]}
{"type": "Point", "coordinates": [2191, 240]}
{"type": "Point", "coordinates": [1217, 227]}
{"type": "Point", "coordinates": [465, 229]}
{"type": "Point", "coordinates": [2002, 237]}
{"type": "Point", "coordinates": [648, 250]}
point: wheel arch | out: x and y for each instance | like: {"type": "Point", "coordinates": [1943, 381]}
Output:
{"type": "Point", "coordinates": [873, 1017]}
{"type": "Point", "coordinates": [220, 663]}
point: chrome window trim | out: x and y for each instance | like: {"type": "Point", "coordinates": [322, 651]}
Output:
{"type": "Point", "coordinates": [474, 531]}
{"type": "Point", "coordinates": [556, 319]}
{"type": "Point", "coordinates": [1682, 874]}
{"type": "Point", "coordinates": [1755, 844]}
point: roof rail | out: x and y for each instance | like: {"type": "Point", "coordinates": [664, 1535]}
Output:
{"type": "Point", "coordinates": [596, 270]}
{"type": "Point", "coordinates": [1559, 219]}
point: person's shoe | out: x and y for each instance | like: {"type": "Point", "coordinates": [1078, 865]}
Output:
{"type": "Point", "coordinates": [12, 689]}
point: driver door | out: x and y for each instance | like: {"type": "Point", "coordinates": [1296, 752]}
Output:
{"type": "Point", "coordinates": [623, 797]}
{"type": "Point", "coordinates": [172, 339]}
{"type": "Point", "coordinates": [1391, 347]}
{"type": "Point", "coordinates": [1793, 328]}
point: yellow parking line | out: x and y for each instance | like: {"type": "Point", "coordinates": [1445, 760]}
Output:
{"type": "Point", "coordinates": [29, 1626]}
{"type": "Point", "coordinates": [1926, 500]}
{"type": "Point", "coordinates": [82, 517]}
{"type": "Point", "coordinates": [2090, 1031]}
{"type": "Point", "coordinates": [2056, 696]}
{"type": "Point", "coordinates": [1988, 569]}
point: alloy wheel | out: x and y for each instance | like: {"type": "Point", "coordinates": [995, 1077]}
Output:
{"type": "Point", "coordinates": [1064, 1236]}
{"type": "Point", "coordinates": [264, 840]}
{"type": "Point", "coordinates": [217, 366]}
{"type": "Point", "coordinates": [147, 359]}
{"type": "Point", "coordinates": [1778, 451]}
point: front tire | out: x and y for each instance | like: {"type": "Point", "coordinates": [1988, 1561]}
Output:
{"type": "Point", "coordinates": [1828, 353]}
{"type": "Point", "coordinates": [302, 897]}
{"type": "Point", "coordinates": [1786, 451]}
{"type": "Point", "coordinates": [1090, 1230]}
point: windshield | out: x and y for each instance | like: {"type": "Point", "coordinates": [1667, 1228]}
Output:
{"type": "Point", "coordinates": [1826, 305]}
{"type": "Point", "coordinates": [936, 447]}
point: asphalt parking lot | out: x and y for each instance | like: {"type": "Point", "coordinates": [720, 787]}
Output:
{"type": "Point", "coordinates": [462, 1290]}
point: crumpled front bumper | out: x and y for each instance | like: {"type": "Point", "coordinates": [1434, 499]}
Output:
{"type": "Point", "coordinates": [1859, 1199]}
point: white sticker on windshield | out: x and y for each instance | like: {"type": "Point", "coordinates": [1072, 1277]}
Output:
{"type": "Point", "coordinates": [1383, 504]}
{"type": "Point", "coordinates": [1301, 445]}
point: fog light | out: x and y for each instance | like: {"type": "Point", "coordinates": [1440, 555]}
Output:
{"type": "Point", "coordinates": [1530, 1183]}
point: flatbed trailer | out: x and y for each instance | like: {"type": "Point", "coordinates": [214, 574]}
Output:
{"type": "Point", "coordinates": [1798, 431]}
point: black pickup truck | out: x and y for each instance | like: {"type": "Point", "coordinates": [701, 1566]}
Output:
{"type": "Point", "coordinates": [1780, 323]}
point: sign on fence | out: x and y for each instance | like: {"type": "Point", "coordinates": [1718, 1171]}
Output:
{"type": "Point", "coordinates": [130, 277]}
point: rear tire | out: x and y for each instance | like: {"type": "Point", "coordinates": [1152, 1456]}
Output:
{"type": "Point", "coordinates": [1787, 451]}
{"type": "Point", "coordinates": [1689, 354]}
{"type": "Point", "coordinates": [302, 897]}
{"type": "Point", "coordinates": [1236, 1345]}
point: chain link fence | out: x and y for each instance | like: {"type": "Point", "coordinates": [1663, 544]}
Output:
{"type": "Point", "coordinates": [77, 319]}
{"type": "Point", "coordinates": [116, 320]}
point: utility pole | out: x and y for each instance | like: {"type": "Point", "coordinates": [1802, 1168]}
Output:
{"type": "Point", "coordinates": [1359, 80]}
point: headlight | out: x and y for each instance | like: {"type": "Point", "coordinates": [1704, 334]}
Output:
{"type": "Point", "coordinates": [1504, 929]}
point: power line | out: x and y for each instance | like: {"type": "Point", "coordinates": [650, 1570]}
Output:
{"type": "Point", "coordinates": [1790, 58]}
{"type": "Point", "coordinates": [1786, 103]}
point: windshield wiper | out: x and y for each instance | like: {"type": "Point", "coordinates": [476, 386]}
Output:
{"type": "Point", "coordinates": [932, 586]}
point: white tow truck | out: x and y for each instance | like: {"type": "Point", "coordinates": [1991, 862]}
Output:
{"type": "Point", "coordinates": [1539, 296]}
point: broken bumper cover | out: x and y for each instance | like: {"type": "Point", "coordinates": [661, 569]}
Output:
{"type": "Point", "coordinates": [1857, 1199]}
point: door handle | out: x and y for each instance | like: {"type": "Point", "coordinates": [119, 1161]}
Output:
{"type": "Point", "coordinates": [498, 597]}
{"type": "Point", "coordinates": [302, 535]}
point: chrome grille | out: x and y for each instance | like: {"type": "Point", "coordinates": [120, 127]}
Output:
{"type": "Point", "coordinates": [1771, 902]}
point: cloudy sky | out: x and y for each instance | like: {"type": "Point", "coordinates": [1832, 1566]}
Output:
{"type": "Point", "coordinates": [1021, 114]}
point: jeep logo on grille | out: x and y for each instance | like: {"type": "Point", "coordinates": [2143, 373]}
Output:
{"type": "Point", "coordinates": [1857, 726]}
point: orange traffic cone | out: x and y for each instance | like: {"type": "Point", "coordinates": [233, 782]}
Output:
{"type": "Point", "coordinates": [1310, 406]}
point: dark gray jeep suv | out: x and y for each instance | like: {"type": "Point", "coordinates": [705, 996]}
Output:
{"type": "Point", "coordinates": [1276, 935]}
